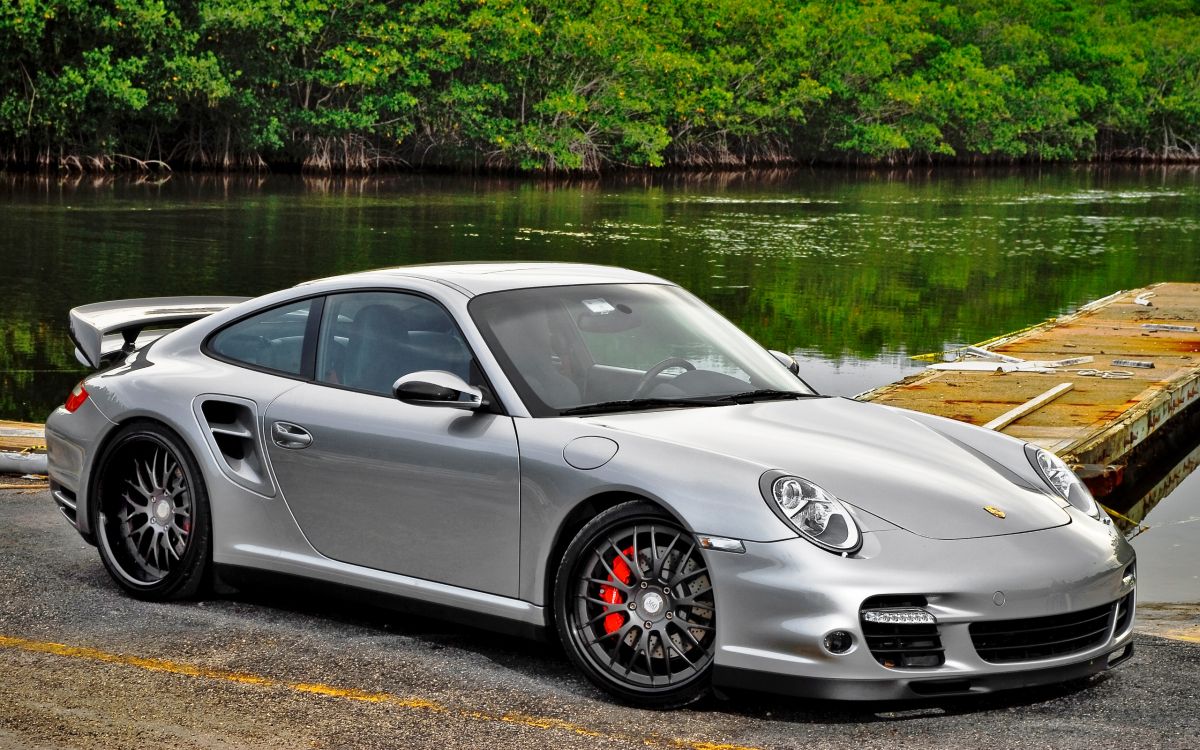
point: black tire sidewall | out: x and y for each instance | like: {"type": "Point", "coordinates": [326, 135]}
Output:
{"type": "Point", "coordinates": [632, 510]}
{"type": "Point", "coordinates": [191, 575]}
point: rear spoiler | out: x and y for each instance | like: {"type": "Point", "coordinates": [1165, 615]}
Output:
{"type": "Point", "coordinates": [96, 327]}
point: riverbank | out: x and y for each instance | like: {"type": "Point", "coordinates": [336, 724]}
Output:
{"type": "Point", "coordinates": [549, 87]}
{"type": "Point", "coordinates": [93, 166]}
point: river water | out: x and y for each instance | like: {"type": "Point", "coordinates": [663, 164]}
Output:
{"type": "Point", "coordinates": [854, 272]}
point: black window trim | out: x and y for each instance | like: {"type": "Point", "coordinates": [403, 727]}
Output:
{"type": "Point", "coordinates": [315, 309]}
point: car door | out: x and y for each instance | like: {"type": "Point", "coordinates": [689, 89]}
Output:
{"type": "Point", "coordinates": [425, 491]}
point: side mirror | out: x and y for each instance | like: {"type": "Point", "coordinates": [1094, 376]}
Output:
{"type": "Point", "coordinates": [437, 388]}
{"type": "Point", "coordinates": [786, 360]}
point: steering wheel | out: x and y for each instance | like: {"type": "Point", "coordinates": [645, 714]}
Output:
{"type": "Point", "coordinates": [647, 381]}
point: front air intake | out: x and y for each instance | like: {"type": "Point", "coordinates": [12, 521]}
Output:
{"type": "Point", "coordinates": [1033, 638]}
{"type": "Point", "coordinates": [900, 633]}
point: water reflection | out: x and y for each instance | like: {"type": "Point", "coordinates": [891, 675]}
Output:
{"type": "Point", "coordinates": [852, 271]}
{"type": "Point", "coordinates": [1168, 556]}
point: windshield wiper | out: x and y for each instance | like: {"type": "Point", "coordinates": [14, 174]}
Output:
{"type": "Point", "coordinates": [635, 404]}
{"type": "Point", "coordinates": [762, 394]}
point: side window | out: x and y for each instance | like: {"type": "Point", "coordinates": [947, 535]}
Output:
{"type": "Point", "coordinates": [273, 340]}
{"type": "Point", "coordinates": [368, 340]}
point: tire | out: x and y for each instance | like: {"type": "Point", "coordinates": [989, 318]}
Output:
{"type": "Point", "coordinates": [634, 607]}
{"type": "Point", "coordinates": [150, 514]}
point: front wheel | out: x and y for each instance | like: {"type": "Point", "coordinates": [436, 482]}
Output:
{"type": "Point", "coordinates": [150, 513]}
{"type": "Point", "coordinates": [634, 607]}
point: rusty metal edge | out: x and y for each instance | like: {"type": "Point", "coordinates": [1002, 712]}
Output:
{"type": "Point", "coordinates": [1134, 426]}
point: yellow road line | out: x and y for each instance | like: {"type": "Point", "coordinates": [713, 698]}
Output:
{"type": "Point", "coordinates": [1191, 635]}
{"type": "Point", "coordinates": [331, 691]}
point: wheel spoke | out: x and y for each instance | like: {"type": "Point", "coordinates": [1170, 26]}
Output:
{"type": "Point", "coordinates": [682, 655]}
{"type": "Point", "coordinates": [649, 660]}
{"type": "Point", "coordinates": [616, 584]}
{"type": "Point", "coordinates": [594, 600]}
{"type": "Point", "coordinates": [667, 647]}
{"type": "Point", "coordinates": [634, 570]}
{"type": "Point", "coordinates": [666, 556]}
{"type": "Point", "coordinates": [139, 488]}
{"type": "Point", "coordinates": [628, 665]}
{"type": "Point", "coordinates": [619, 633]}
{"type": "Point", "coordinates": [684, 577]}
{"type": "Point", "coordinates": [691, 599]}
{"type": "Point", "coordinates": [610, 570]}
{"type": "Point", "coordinates": [688, 634]}
{"type": "Point", "coordinates": [600, 617]}
{"type": "Point", "coordinates": [169, 546]}
{"type": "Point", "coordinates": [653, 554]}
{"type": "Point", "coordinates": [634, 546]}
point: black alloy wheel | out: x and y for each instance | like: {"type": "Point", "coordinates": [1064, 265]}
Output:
{"type": "Point", "coordinates": [635, 609]}
{"type": "Point", "coordinates": [150, 514]}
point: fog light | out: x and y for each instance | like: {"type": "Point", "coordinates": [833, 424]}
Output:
{"type": "Point", "coordinates": [898, 616]}
{"type": "Point", "coordinates": [1130, 577]}
{"type": "Point", "coordinates": [839, 642]}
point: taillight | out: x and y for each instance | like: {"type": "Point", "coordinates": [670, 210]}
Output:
{"type": "Point", "coordinates": [78, 395]}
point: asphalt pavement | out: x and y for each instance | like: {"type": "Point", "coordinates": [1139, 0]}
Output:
{"type": "Point", "coordinates": [83, 666]}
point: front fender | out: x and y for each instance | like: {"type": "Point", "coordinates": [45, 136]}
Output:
{"type": "Point", "coordinates": [709, 493]}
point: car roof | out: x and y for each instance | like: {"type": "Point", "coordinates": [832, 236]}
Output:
{"type": "Point", "coordinates": [480, 278]}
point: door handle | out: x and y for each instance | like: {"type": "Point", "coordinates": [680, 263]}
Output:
{"type": "Point", "coordinates": [288, 435]}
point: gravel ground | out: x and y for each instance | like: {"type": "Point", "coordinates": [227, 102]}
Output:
{"type": "Point", "coordinates": [280, 669]}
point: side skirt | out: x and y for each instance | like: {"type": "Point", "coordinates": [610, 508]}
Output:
{"type": "Point", "coordinates": [231, 578]}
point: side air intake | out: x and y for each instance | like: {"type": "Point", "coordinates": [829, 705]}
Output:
{"type": "Point", "coordinates": [231, 429]}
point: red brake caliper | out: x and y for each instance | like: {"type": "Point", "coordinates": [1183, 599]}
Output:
{"type": "Point", "coordinates": [612, 595]}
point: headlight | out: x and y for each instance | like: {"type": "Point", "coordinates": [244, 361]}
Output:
{"type": "Point", "coordinates": [1065, 483]}
{"type": "Point", "coordinates": [814, 513]}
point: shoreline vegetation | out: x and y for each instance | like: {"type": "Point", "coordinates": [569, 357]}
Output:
{"type": "Point", "coordinates": [572, 87]}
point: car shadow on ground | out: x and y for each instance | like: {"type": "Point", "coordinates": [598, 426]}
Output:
{"type": "Point", "coordinates": [544, 658]}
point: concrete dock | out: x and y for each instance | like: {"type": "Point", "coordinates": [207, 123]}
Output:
{"type": "Point", "coordinates": [1140, 370]}
{"type": "Point", "coordinates": [22, 449]}
{"type": "Point", "coordinates": [21, 436]}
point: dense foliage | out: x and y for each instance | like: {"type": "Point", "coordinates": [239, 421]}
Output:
{"type": "Point", "coordinates": [571, 85]}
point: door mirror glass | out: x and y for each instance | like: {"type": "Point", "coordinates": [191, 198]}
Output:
{"type": "Point", "coordinates": [437, 388]}
{"type": "Point", "coordinates": [786, 360]}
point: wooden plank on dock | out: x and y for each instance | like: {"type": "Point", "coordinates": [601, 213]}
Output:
{"type": "Point", "coordinates": [21, 436]}
{"type": "Point", "coordinates": [1030, 406]}
{"type": "Point", "coordinates": [1099, 420]}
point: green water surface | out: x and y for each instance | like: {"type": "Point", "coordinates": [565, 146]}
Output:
{"type": "Point", "coordinates": [851, 271]}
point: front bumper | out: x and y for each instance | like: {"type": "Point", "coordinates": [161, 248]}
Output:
{"type": "Point", "coordinates": [778, 601]}
{"type": "Point", "coordinates": [905, 688]}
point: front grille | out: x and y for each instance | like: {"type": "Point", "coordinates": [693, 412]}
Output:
{"type": "Point", "coordinates": [908, 646]}
{"type": "Point", "coordinates": [1028, 639]}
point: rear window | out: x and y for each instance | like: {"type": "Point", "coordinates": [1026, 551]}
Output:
{"type": "Point", "coordinates": [271, 340]}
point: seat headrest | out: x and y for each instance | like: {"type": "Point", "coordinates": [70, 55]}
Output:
{"type": "Point", "coordinates": [380, 320]}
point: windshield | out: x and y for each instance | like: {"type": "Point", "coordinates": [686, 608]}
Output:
{"type": "Point", "coordinates": [614, 347]}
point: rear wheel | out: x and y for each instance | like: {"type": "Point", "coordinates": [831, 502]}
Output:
{"type": "Point", "coordinates": [151, 514]}
{"type": "Point", "coordinates": [635, 609]}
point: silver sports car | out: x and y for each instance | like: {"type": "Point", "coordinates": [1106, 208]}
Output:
{"type": "Point", "coordinates": [591, 452]}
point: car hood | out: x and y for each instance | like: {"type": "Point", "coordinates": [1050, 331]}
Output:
{"type": "Point", "coordinates": [874, 458]}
